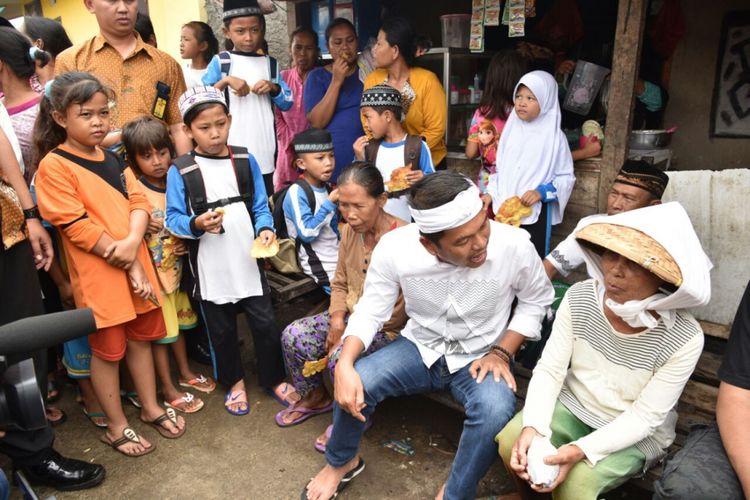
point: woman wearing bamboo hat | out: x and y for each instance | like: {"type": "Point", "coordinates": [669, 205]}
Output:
{"type": "Point", "coordinates": [600, 405]}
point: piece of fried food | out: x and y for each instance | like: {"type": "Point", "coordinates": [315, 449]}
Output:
{"type": "Point", "coordinates": [310, 368]}
{"type": "Point", "coordinates": [512, 211]}
{"type": "Point", "coordinates": [260, 251]}
{"type": "Point", "coordinates": [398, 180]}
{"type": "Point", "coordinates": [219, 210]}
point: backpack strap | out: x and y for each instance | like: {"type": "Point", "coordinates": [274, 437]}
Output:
{"type": "Point", "coordinates": [316, 267]}
{"type": "Point", "coordinates": [195, 188]}
{"type": "Point", "coordinates": [273, 69]}
{"type": "Point", "coordinates": [413, 151]}
{"type": "Point", "coordinates": [240, 158]}
{"type": "Point", "coordinates": [225, 61]}
{"type": "Point", "coordinates": [225, 65]}
{"type": "Point", "coordinates": [371, 150]}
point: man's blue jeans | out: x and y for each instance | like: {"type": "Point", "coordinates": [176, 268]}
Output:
{"type": "Point", "coordinates": [398, 370]}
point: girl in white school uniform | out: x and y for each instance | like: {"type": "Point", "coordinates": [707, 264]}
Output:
{"type": "Point", "coordinates": [533, 159]}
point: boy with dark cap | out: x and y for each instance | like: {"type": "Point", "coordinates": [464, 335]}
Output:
{"type": "Point", "coordinates": [637, 185]}
{"type": "Point", "coordinates": [391, 149]}
{"type": "Point", "coordinates": [251, 83]}
{"type": "Point", "coordinates": [314, 229]}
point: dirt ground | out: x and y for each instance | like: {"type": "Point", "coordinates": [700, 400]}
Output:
{"type": "Point", "coordinates": [251, 457]}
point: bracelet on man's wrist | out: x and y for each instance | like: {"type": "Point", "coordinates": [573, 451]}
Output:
{"type": "Point", "coordinates": [503, 352]}
{"type": "Point", "coordinates": [499, 355]}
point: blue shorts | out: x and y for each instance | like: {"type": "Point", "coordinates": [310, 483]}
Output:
{"type": "Point", "coordinates": [77, 358]}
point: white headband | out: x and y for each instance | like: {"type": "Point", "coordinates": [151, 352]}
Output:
{"type": "Point", "coordinates": [464, 207]}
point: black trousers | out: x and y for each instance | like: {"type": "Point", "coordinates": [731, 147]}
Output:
{"type": "Point", "coordinates": [221, 325]}
{"type": "Point", "coordinates": [538, 232]}
{"type": "Point", "coordinates": [21, 297]}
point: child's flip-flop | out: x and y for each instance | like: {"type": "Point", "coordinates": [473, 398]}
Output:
{"type": "Point", "coordinates": [170, 415]}
{"type": "Point", "coordinates": [233, 398]}
{"type": "Point", "coordinates": [128, 435]}
{"type": "Point", "coordinates": [93, 415]}
{"type": "Point", "coordinates": [287, 390]}
{"type": "Point", "coordinates": [186, 404]}
{"type": "Point", "coordinates": [304, 414]}
{"type": "Point", "coordinates": [200, 383]}
{"type": "Point", "coordinates": [132, 397]}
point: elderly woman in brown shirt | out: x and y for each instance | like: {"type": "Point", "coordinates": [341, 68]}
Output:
{"type": "Point", "coordinates": [361, 201]}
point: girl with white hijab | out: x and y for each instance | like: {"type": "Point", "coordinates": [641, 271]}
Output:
{"type": "Point", "coordinates": [622, 349]}
{"type": "Point", "coordinates": [533, 158]}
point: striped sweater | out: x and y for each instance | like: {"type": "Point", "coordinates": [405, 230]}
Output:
{"type": "Point", "coordinates": [625, 387]}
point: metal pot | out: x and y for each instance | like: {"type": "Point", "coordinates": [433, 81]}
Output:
{"type": "Point", "coordinates": [650, 139]}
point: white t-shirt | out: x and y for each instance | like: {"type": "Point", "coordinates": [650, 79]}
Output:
{"type": "Point", "coordinates": [252, 115]}
{"type": "Point", "coordinates": [390, 157]}
{"type": "Point", "coordinates": [193, 77]}
{"type": "Point", "coordinates": [226, 271]}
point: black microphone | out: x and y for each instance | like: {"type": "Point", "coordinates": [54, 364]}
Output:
{"type": "Point", "coordinates": [39, 332]}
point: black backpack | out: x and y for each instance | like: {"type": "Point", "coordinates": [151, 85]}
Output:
{"type": "Point", "coordinates": [197, 202]}
{"type": "Point", "coordinates": [279, 222]}
{"type": "Point", "coordinates": [195, 188]}
{"type": "Point", "coordinates": [412, 151]}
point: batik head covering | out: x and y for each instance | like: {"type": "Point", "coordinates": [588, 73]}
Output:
{"type": "Point", "coordinates": [640, 174]}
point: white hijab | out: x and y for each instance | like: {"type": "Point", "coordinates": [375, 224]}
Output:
{"type": "Point", "coordinates": [669, 225]}
{"type": "Point", "coordinates": [534, 153]}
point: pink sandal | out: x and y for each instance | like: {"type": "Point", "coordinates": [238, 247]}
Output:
{"type": "Point", "coordinates": [304, 414]}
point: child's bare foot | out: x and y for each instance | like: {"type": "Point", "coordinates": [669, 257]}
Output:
{"type": "Point", "coordinates": [326, 482]}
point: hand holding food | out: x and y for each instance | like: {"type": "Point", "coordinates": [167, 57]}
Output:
{"type": "Point", "coordinates": [399, 180]}
{"type": "Point", "coordinates": [413, 175]}
{"type": "Point", "coordinates": [512, 211]}
{"type": "Point", "coordinates": [359, 148]}
{"type": "Point", "coordinates": [210, 221]}
{"type": "Point", "coordinates": [265, 246]}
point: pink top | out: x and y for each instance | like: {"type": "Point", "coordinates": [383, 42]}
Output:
{"type": "Point", "coordinates": [288, 124]}
{"type": "Point", "coordinates": [23, 118]}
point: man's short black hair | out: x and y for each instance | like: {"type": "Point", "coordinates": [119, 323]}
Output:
{"type": "Point", "coordinates": [436, 190]}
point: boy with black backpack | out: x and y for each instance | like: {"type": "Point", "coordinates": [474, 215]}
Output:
{"type": "Point", "coordinates": [391, 148]}
{"type": "Point", "coordinates": [216, 201]}
{"type": "Point", "coordinates": [307, 208]}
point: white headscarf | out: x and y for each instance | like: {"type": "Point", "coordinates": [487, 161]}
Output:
{"type": "Point", "coordinates": [534, 153]}
{"type": "Point", "coordinates": [670, 226]}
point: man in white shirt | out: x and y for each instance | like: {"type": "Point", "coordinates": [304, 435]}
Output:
{"type": "Point", "coordinates": [460, 274]}
{"type": "Point", "coordinates": [637, 185]}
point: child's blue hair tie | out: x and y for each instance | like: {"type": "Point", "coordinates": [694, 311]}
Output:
{"type": "Point", "coordinates": [48, 88]}
{"type": "Point", "coordinates": [32, 51]}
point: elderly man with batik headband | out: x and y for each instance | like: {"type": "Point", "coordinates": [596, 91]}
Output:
{"type": "Point", "coordinates": [600, 407]}
{"type": "Point", "coordinates": [637, 185]}
{"type": "Point", "coordinates": [460, 274]}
